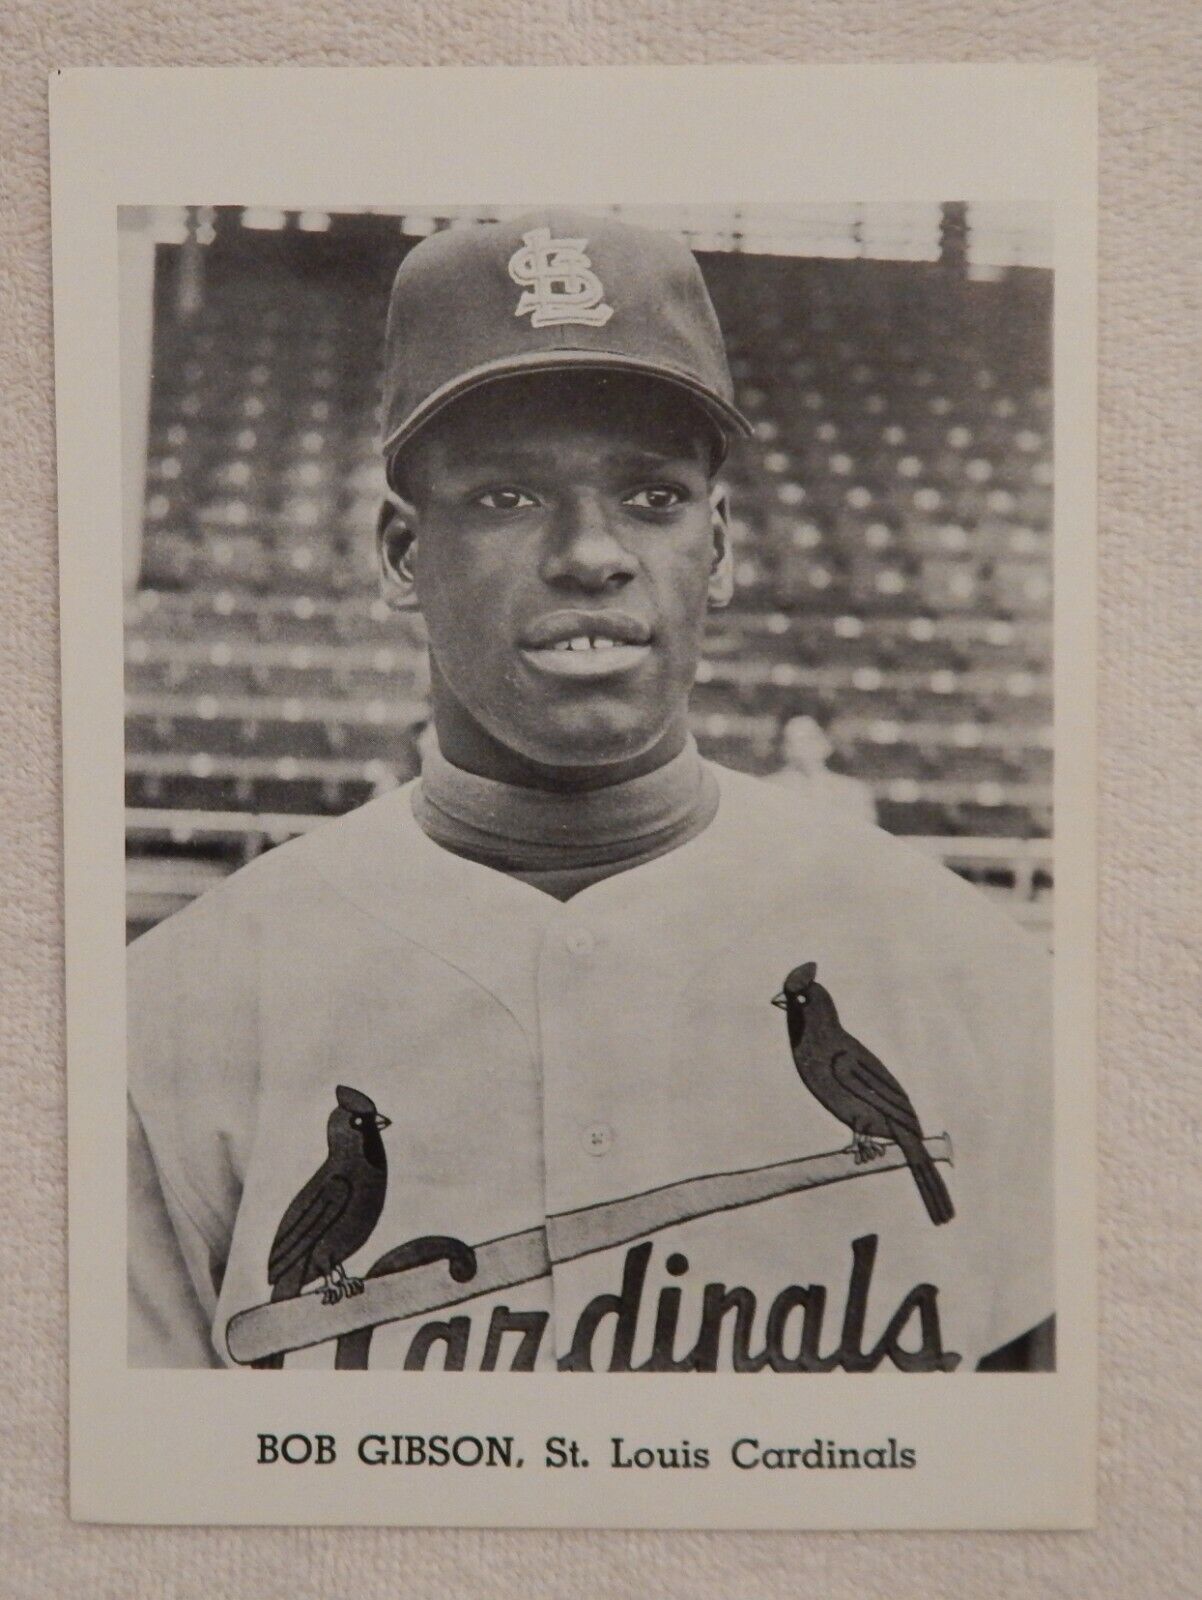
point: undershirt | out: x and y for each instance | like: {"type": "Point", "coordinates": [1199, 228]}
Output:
{"type": "Point", "coordinates": [562, 843]}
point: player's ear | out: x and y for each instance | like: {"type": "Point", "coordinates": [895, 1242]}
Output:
{"type": "Point", "coordinates": [396, 547]}
{"type": "Point", "coordinates": [722, 566]}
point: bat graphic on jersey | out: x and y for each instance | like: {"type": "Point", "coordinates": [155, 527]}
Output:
{"type": "Point", "coordinates": [844, 1076]}
{"type": "Point", "coordinates": [413, 1278]}
{"type": "Point", "coordinates": [334, 1214]}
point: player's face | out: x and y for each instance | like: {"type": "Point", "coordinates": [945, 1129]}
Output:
{"type": "Point", "coordinates": [566, 539]}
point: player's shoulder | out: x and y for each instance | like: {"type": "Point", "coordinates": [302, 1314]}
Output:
{"type": "Point", "coordinates": [860, 871]}
{"type": "Point", "coordinates": [776, 822]}
{"type": "Point", "coordinates": [280, 889]}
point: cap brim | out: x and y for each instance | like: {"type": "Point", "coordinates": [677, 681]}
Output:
{"type": "Point", "coordinates": [727, 415]}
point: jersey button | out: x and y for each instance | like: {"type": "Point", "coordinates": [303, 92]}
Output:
{"type": "Point", "coordinates": [580, 942]}
{"type": "Point", "coordinates": [598, 1138]}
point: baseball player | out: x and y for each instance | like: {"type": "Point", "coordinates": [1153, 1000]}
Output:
{"type": "Point", "coordinates": [579, 1052]}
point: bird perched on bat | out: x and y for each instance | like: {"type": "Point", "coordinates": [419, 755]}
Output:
{"type": "Point", "coordinates": [844, 1076]}
{"type": "Point", "coordinates": [335, 1212]}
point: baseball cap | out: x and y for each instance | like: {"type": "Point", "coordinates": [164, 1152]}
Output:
{"type": "Point", "coordinates": [555, 290]}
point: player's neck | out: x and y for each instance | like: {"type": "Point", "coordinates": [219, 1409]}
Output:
{"type": "Point", "coordinates": [563, 840]}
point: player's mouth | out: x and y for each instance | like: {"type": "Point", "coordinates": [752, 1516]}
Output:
{"type": "Point", "coordinates": [586, 644]}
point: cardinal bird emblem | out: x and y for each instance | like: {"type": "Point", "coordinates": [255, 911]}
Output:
{"type": "Point", "coordinates": [844, 1076]}
{"type": "Point", "coordinates": [334, 1214]}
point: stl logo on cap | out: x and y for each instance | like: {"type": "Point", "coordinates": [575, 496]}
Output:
{"type": "Point", "coordinates": [558, 282]}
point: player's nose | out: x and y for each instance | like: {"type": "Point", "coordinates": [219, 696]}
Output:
{"type": "Point", "coordinates": [583, 547]}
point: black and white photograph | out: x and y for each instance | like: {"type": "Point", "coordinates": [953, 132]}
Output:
{"type": "Point", "coordinates": [595, 791]}
{"type": "Point", "coordinates": [588, 756]}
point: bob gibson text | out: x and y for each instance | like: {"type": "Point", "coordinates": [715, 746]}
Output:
{"type": "Point", "coordinates": [560, 1451]}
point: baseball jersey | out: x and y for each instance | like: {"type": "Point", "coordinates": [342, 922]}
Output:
{"type": "Point", "coordinates": [601, 1153]}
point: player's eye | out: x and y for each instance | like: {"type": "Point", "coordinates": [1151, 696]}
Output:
{"type": "Point", "coordinates": [504, 499]}
{"type": "Point", "coordinates": [656, 497]}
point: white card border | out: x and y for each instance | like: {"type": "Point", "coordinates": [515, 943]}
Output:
{"type": "Point", "coordinates": [165, 1447]}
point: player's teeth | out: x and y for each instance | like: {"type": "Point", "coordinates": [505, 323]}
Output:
{"type": "Point", "coordinates": [581, 641]}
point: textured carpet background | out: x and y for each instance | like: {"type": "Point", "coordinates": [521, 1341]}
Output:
{"type": "Point", "coordinates": [1151, 984]}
